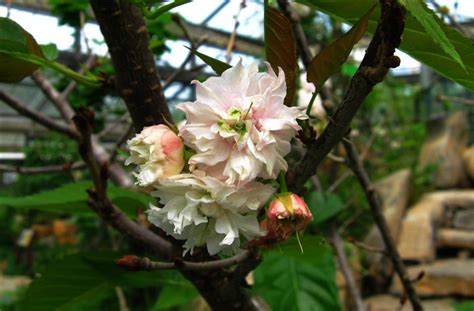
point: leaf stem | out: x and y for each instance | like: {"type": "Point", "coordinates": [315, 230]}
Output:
{"type": "Point", "coordinates": [282, 182]}
{"type": "Point", "coordinates": [311, 102]}
{"type": "Point", "coordinates": [88, 81]}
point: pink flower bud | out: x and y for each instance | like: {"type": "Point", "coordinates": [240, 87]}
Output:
{"type": "Point", "coordinates": [158, 152]}
{"type": "Point", "coordinates": [286, 214]}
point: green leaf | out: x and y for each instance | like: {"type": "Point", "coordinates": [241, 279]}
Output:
{"type": "Point", "coordinates": [288, 280]}
{"type": "Point", "coordinates": [218, 66]}
{"type": "Point", "coordinates": [14, 39]}
{"type": "Point", "coordinates": [174, 296]}
{"type": "Point", "coordinates": [323, 205]}
{"type": "Point", "coordinates": [82, 281]}
{"type": "Point", "coordinates": [415, 42]}
{"type": "Point", "coordinates": [280, 48]}
{"type": "Point", "coordinates": [20, 55]}
{"type": "Point", "coordinates": [427, 19]}
{"type": "Point", "coordinates": [50, 51]}
{"type": "Point", "coordinates": [335, 54]}
{"type": "Point", "coordinates": [72, 199]}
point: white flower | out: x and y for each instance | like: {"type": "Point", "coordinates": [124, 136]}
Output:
{"type": "Point", "coordinates": [239, 126]}
{"type": "Point", "coordinates": [158, 152]}
{"type": "Point", "coordinates": [205, 211]}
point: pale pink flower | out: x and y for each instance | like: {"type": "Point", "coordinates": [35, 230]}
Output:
{"type": "Point", "coordinates": [207, 212]}
{"type": "Point", "coordinates": [158, 152]}
{"type": "Point", "coordinates": [239, 126]}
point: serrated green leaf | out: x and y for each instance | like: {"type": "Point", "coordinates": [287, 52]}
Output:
{"type": "Point", "coordinates": [72, 199]}
{"type": "Point", "coordinates": [328, 61]}
{"type": "Point", "coordinates": [280, 48]}
{"type": "Point", "coordinates": [81, 281]}
{"type": "Point", "coordinates": [292, 281]}
{"type": "Point", "coordinates": [218, 66]}
{"type": "Point", "coordinates": [323, 205]}
{"type": "Point", "coordinates": [50, 51]}
{"type": "Point", "coordinates": [427, 19]}
{"type": "Point", "coordinates": [415, 42]}
{"type": "Point", "coordinates": [14, 39]}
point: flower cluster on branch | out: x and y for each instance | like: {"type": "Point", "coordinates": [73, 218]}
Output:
{"type": "Point", "coordinates": [237, 133]}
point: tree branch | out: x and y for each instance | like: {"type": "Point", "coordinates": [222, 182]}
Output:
{"type": "Point", "coordinates": [377, 60]}
{"type": "Point", "coordinates": [50, 92]}
{"type": "Point", "coordinates": [136, 263]}
{"type": "Point", "coordinates": [98, 197]}
{"type": "Point", "coordinates": [90, 62]}
{"type": "Point", "coordinates": [38, 117]}
{"type": "Point", "coordinates": [376, 208]}
{"type": "Point", "coordinates": [351, 285]}
{"type": "Point", "coordinates": [138, 83]}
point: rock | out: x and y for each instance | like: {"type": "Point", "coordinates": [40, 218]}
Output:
{"type": "Point", "coordinates": [394, 192]}
{"type": "Point", "coordinates": [468, 158]}
{"type": "Point", "coordinates": [417, 236]}
{"type": "Point", "coordinates": [417, 232]}
{"type": "Point", "coordinates": [464, 219]}
{"type": "Point", "coordinates": [441, 278]}
{"type": "Point", "coordinates": [444, 149]}
{"type": "Point", "coordinates": [455, 238]}
{"type": "Point", "coordinates": [392, 303]}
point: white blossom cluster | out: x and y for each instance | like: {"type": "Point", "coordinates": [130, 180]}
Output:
{"type": "Point", "coordinates": [238, 130]}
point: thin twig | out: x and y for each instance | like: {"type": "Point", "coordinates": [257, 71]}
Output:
{"type": "Point", "coordinates": [464, 101]}
{"type": "Point", "coordinates": [376, 209]}
{"type": "Point", "coordinates": [122, 121]}
{"type": "Point", "coordinates": [90, 62]}
{"type": "Point", "coordinates": [339, 181]}
{"type": "Point", "coordinates": [50, 92]}
{"type": "Point", "coordinates": [351, 285]}
{"type": "Point", "coordinates": [38, 117]}
{"type": "Point", "coordinates": [120, 142]}
{"type": "Point", "coordinates": [136, 263]}
{"type": "Point", "coordinates": [369, 248]}
{"type": "Point", "coordinates": [66, 167]}
{"type": "Point", "coordinates": [118, 175]}
{"type": "Point", "coordinates": [181, 68]}
{"type": "Point", "coordinates": [233, 35]}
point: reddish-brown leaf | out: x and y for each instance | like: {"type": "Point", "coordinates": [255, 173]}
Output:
{"type": "Point", "coordinates": [334, 55]}
{"type": "Point", "coordinates": [281, 48]}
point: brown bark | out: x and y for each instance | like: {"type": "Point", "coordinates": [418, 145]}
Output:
{"type": "Point", "coordinates": [138, 83]}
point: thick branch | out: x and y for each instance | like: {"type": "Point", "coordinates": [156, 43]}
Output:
{"type": "Point", "coordinates": [126, 35]}
{"type": "Point", "coordinates": [38, 117]}
{"type": "Point", "coordinates": [376, 208]}
{"type": "Point", "coordinates": [378, 59]}
{"type": "Point", "coordinates": [138, 83]}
